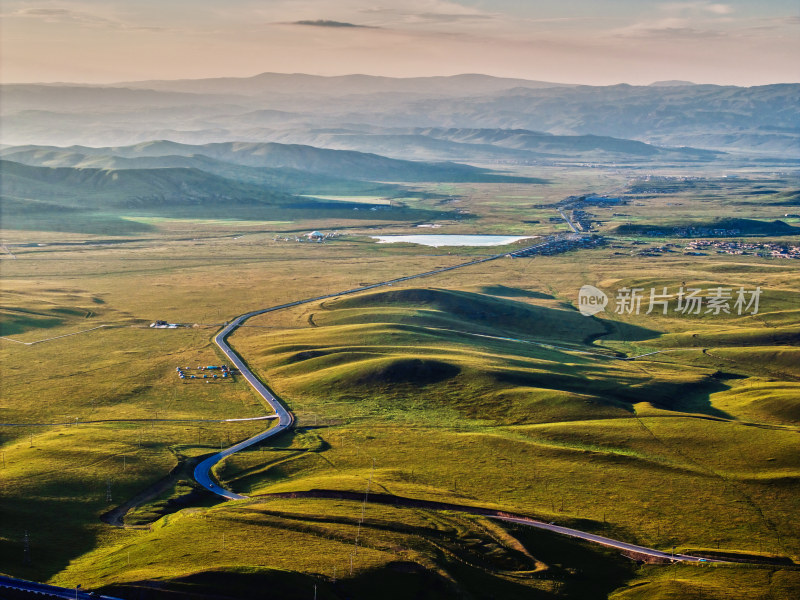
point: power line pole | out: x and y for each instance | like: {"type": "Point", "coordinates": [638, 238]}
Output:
{"type": "Point", "coordinates": [26, 552]}
{"type": "Point", "coordinates": [108, 491]}
{"type": "Point", "coordinates": [364, 504]}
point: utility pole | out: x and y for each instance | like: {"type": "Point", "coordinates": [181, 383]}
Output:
{"type": "Point", "coordinates": [108, 490]}
{"type": "Point", "coordinates": [26, 552]}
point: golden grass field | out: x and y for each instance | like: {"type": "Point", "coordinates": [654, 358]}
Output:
{"type": "Point", "coordinates": [409, 388]}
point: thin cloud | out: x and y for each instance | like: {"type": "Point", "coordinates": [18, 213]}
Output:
{"type": "Point", "coordinates": [678, 33]}
{"type": "Point", "coordinates": [430, 13]}
{"type": "Point", "coordinates": [332, 24]}
{"type": "Point", "coordinates": [65, 15]}
{"type": "Point", "coordinates": [719, 9]}
{"type": "Point", "coordinates": [431, 17]}
{"type": "Point", "coordinates": [715, 8]}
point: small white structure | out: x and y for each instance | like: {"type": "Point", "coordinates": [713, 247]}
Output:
{"type": "Point", "coordinates": [315, 236]}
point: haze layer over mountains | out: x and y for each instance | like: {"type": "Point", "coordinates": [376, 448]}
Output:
{"type": "Point", "coordinates": [462, 118]}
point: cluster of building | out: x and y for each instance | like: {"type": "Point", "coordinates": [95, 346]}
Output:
{"type": "Point", "coordinates": [657, 250]}
{"type": "Point", "coordinates": [603, 201]}
{"type": "Point", "coordinates": [312, 236]}
{"type": "Point", "coordinates": [163, 325]}
{"type": "Point", "coordinates": [763, 249]}
{"type": "Point", "coordinates": [592, 200]}
{"type": "Point", "coordinates": [582, 220]}
{"type": "Point", "coordinates": [654, 184]}
{"type": "Point", "coordinates": [214, 372]}
{"type": "Point", "coordinates": [559, 244]}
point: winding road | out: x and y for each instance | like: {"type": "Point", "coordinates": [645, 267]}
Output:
{"type": "Point", "coordinates": [604, 541]}
{"type": "Point", "coordinates": [202, 472]}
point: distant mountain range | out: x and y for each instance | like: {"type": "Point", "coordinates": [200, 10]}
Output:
{"type": "Point", "coordinates": [469, 84]}
{"type": "Point", "coordinates": [493, 145]}
{"type": "Point", "coordinates": [419, 118]}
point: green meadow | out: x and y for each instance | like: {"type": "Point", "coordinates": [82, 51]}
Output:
{"type": "Point", "coordinates": [481, 387]}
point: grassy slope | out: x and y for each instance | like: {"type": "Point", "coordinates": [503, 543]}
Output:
{"type": "Point", "coordinates": [286, 179]}
{"type": "Point", "coordinates": [641, 476]}
{"type": "Point", "coordinates": [607, 414]}
{"type": "Point", "coordinates": [92, 200]}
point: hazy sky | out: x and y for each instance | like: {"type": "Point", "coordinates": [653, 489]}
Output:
{"type": "Point", "coordinates": [575, 41]}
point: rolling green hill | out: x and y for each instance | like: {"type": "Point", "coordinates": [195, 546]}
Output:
{"type": "Point", "coordinates": [287, 180]}
{"type": "Point", "coordinates": [95, 200]}
{"type": "Point", "coordinates": [487, 358]}
{"type": "Point", "coordinates": [336, 163]}
{"type": "Point", "coordinates": [131, 188]}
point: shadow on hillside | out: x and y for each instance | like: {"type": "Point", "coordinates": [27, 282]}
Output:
{"type": "Point", "coordinates": [681, 396]}
{"type": "Point", "coordinates": [512, 292]}
{"type": "Point", "coordinates": [482, 313]}
{"type": "Point", "coordinates": [56, 529]}
{"type": "Point", "coordinates": [618, 331]}
{"type": "Point", "coordinates": [579, 569]}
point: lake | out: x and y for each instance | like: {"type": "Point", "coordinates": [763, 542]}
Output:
{"type": "Point", "coordinates": [452, 240]}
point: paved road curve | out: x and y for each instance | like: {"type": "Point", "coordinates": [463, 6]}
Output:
{"type": "Point", "coordinates": [492, 513]}
{"type": "Point", "coordinates": [49, 590]}
{"type": "Point", "coordinates": [202, 473]}
{"type": "Point", "coordinates": [599, 539]}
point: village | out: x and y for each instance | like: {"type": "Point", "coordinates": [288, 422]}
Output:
{"type": "Point", "coordinates": [762, 249]}
{"type": "Point", "coordinates": [704, 247]}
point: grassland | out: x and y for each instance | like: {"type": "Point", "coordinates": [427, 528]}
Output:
{"type": "Point", "coordinates": [409, 389]}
